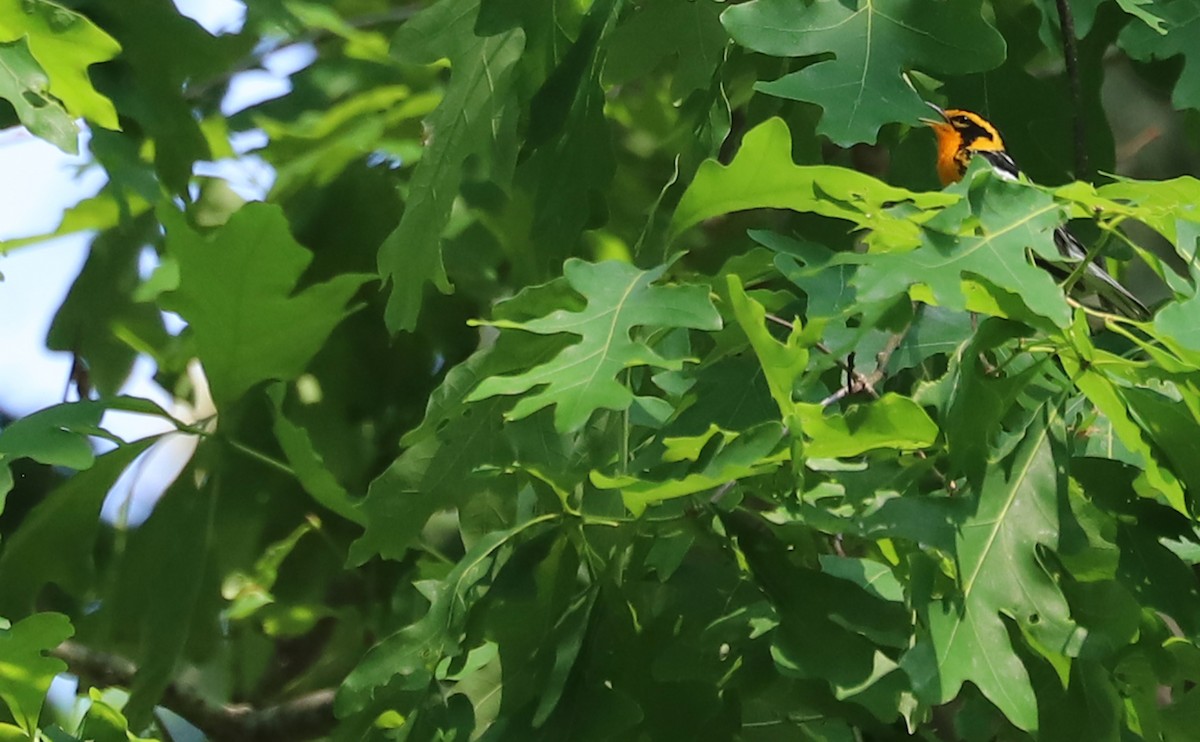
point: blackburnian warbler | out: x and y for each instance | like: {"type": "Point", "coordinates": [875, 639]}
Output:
{"type": "Point", "coordinates": [960, 136]}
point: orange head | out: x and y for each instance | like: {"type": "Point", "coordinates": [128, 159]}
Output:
{"type": "Point", "coordinates": [960, 134]}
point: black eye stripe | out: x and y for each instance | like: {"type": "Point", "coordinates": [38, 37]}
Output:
{"type": "Point", "coordinates": [971, 130]}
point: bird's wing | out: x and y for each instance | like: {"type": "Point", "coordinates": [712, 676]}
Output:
{"type": "Point", "coordinates": [1097, 279]}
{"type": "Point", "coordinates": [1000, 161]}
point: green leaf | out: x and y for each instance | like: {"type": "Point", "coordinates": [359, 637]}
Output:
{"type": "Point", "coordinates": [58, 435]}
{"type": "Point", "coordinates": [1011, 218]}
{"type": "Point", "coordinates": [782, 363]}
{"type": "Point", "coordinates": [98, 213]}
{"type": "Point", "coordinates": [406, 660]}
{"type": "Point", "coordinates": [1177, 32]}
{"type": "Point", "coordinates": [827, 284]}
{"type": "Point", "coordinates": [65, 44]}
{"type": "Point", "coordinates": [747, 455]}
{"type": "Point", "coordinates": [1167, 205]}
{"type": "Point", "coordinates": [572, 160]}
{"type": "Point", "coordinates": [56, 541]}
{"type": "Point", "coordinates": [583, 378]}
{"type": "Point", "coordinates": [762, 175]}
{"type": "Point", "coordinates": [250, 591]}
{"type": "Point", "coordinates": [360, 43]}
{"type": "Point", "coordinates": [829, 628]}
{"type": "Point", "coordinates": [1111, 400]}
{"type": "Point", "coordinates": [688, 32]}
{"type": "Point", "coordinates": [314, 476]}
{"type": "Point", "coordinates": [1137, 9]}
{"type": "Point", "coordinates": [892, 421]}
{"type": "Point", "coordinates": [10, 733]}
{"type": "Point", "coordinates": [164, 573]}
{"type": "Point", "coordinates": [999, 573]}
{"type": "Point", "coordinates": [101, 319]}
{"type": "Point", "coordinates": [431, 476]}
{"type": "Point", "coordinates": [988, 414]}
{"type": "Point", "coordinates": [731, 394]}
{"type": "Point", "coordinates": [440, 469]}
{"type": "Point", "coordinates": [1108, 612]}
{"type": "Point", "coordinates": [465, 124]}
{"type": "Point", "coordinates": [1154, 575]}
{"type": "Point", "coordinates": [877, 579]}
{"type": "Point", "coordinates": [539, 608]}
{"type": "Point", "coordinates": [935, 331]}
{"type": "Point", "coordinates": [1170, 423]}
{"type": "Point", "coordinates": [318, 147]}
{"type": "Point", "coordinates": [23, 83]}
{"type": "Point", "coordinates": [25, 670]}
{"type": "Point", "coordinates": [237, 291]}
{"type": "Point", "coordinates": [510, 353]}
{"type": "Point", "coordinates": [104, 722]}
{"type": "Point", "coordinates": [872, 43]}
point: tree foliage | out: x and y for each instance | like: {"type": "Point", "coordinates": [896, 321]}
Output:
{"type": "Point", "coordinates": [613, 370]}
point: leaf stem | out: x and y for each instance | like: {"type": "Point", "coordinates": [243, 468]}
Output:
{"type": "Point", "coordinates": [260, 457]}
{"type": "Point", "coordinates": [625, 428]}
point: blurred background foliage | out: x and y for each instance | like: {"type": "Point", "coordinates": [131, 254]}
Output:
{"type": "Point", "coordinates": [543, 397]}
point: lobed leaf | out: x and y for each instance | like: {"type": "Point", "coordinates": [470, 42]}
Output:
{"type": "Point", "coordinates": [237, 291]}
{"type": "Point", "coordinates": [582, 378]}
{"type": "Point", "coordinates": [465, 124]}
{"type": "Point", "coordinates": [25, 670]}
{"type": "Point", "coordinates": [64, 43]}
{"type": "Point", "coordinates": [23, 83]}
{"type": "Point", "coordinates": [762, 175]}
{"type": "Point", "coordinates": [872, 43]}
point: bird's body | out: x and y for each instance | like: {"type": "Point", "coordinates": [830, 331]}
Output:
{"type": "Point", "coordinates": [962, 135]}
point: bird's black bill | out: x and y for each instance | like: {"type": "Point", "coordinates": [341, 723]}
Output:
{"type": "Point", "coordinates": [940, 113]}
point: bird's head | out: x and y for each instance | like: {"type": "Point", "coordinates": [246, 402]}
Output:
{"type": "Point", "coordinates": [959, 135]}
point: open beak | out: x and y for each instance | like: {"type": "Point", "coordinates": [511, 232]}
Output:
{"type": "Point", "coordinates": [935, 122]}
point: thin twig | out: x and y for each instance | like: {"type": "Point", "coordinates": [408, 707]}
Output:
{"type": "Point", "coordinates": [839, 394]}
{"type": "Point", "coordinates": [1066, 23]}
{"type": "Point", "coordinates": [857, 382]}
{"type": "Point", "coordinates": [261, 458]}
{"type": "Point", "coordinates": [779, 320]}
{"type": "Point", "coordinates": [306, 717]}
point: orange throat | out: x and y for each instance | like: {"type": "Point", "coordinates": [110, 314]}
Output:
{"type": "Point", "coordinates": [952, 159]}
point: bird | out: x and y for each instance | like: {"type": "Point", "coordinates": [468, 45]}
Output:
{"type": "Point", "coordinates": [961, 135]}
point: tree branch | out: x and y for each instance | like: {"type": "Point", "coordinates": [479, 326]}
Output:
{"type": "Point", "coordinates": [307, 717]}
{"type": "Point", "coordinates": [857, 382]}
{"type": "Point", "coordinates": [1066, 22]}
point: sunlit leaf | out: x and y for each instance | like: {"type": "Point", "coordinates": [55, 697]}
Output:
{"type": "Point", "coordinates": [65, 44]}
{"type": "Point", "coordinates": [23, 83]}
{"type": "Point", "coordinates": [25, 670]}
{"type": "Point", "coordinates": [1012, 219]}
{"type": "Point", "coordinates": [762, 175]}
